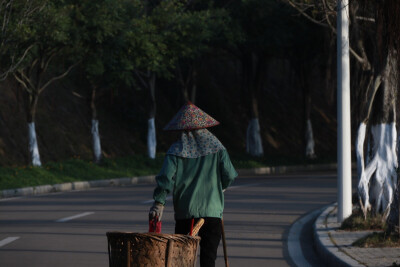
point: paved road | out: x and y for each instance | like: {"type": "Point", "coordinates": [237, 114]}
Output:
{"type": "Point", "coordinates": [68, 229]}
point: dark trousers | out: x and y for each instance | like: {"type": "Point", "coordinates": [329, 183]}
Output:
{"type": "Point", "coordinates": [210, 234]}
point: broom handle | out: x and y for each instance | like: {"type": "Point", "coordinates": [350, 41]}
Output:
{"type": "Point", "coordinates": [224, 243]}
{"type": "Point", "coordinates": [197, 227]}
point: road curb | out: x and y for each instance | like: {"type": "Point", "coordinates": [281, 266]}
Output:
{"type": "Point", "coordinates": [286, 169]}
{"type": "Point", "coordinates": [326, 249]}
{"type": "Point", "coordinates": [85, 185]}
{"type": "Point", "coordinates": [294, 238]}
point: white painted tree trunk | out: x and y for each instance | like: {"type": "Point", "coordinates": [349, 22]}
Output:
{"type": "Point", "coordinates": [33, 145]}
{"type": "Point", "coordinates": [151, 138]}
{"type": "Point", "coordinates": [380, 171]}
{"type": "Point", "coordinates": [360, 149]}
{"type": "Point", "coordinates": [96, 141]}
{"type": "Point", "coordinates": [253, 139]}
{"type": "Point", "coordinates": [310, 153]}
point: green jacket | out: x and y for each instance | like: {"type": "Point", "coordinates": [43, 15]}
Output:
{"type": "Point", "coordinates": [196, 183]}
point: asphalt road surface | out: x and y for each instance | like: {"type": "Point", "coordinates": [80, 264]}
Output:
{"type": "Point", "coordinates": [69, 229]}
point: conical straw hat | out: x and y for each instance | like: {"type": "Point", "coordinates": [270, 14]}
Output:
{"type": "Point", "coordinates": [190, 117]}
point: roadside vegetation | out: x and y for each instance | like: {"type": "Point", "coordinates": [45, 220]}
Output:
{"type": "Point", "coordinates": [77, 169]}
{"type": "Point", "coordinates": [381, 237]}
{"type": "Point", "coordinates": [378, 240]}
{"type": "Point", "coordinates": [357, 222]}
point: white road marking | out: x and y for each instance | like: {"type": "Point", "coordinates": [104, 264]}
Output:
{"type": "Point", "coordinates": [8, 199]}
{"type": "Point", "coordinates": [8, 240]}
{"type": "Point", "coordinates": [294, 245]}
{"type": "Point", "coordinates": [74, 217]}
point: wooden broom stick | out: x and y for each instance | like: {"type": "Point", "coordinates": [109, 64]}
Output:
{"type": "Point", "coordinates": [197, 227]}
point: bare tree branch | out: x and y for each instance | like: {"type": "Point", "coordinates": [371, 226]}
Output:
{"type": "Point", "coordinates": [328, 7]}
{"type": "Point", "coordinates": [11, 20]}
{"type": "Point", "coordinates": [371, 97]}
{"type": "Point", "coordinates": [331, 6]}
{"type": "Point", "coordinates": [26, 78]}
{"type": "Point", "coordinates": [302, 12]}
{"type": "Point", "coordinates": [13, 67]}
{"type": "Point", "coordinates": [45, 63]}
{"type": "Point", "coordinates": [364, 60]}
{"type": "Point", "coordinates": [359, 58]}
{"type": "Point", "coordinates": [22, 83]}
{"type": "Point", "coordinates": [58, 77]}
{"type": "Point", "coordinates": [365, 19]}
{"type": "Point", "coordinates": [32, 67]}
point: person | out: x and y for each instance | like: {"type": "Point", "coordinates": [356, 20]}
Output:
{"type": "Point", "coordinates": [196, 169]}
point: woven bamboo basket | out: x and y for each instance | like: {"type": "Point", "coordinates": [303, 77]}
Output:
{"type": "Point", "coordinates": [151, 249]}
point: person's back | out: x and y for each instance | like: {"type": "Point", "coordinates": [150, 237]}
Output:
{"type": "Point", "coordinates": [196, 169]}
{"type": "Point", "coordinates": [198, 184]}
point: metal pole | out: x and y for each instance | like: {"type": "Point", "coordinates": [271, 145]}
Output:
{"type": "Point", "coordinates": [343, 110]}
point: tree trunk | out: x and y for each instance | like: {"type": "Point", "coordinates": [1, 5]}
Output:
{"type": "Point", "coordinates": [188, 81]}
{"type": "Point", "coordinates": [310, 153]}
{"type": "Point", "coordinates": [377, 183]}
{"type": "Point", "coordinates": [32, 90]}
{"type": "Point", "coordinates": [33, 145]}
{"type": "Point", "coordinates": [330, 81]}
{"type": "Point", "coordinates": [253, 139]}
{"type": "Point", "coordinates": [151, 129]}
{"type": "Point", "coordinates": [185, 94]}
{"type": "Point", "coordinates": [308, 131]}
{"type": "Point", "coordinates": [378, 180]}
{"type": "Point", "coordinates": [194, 86]}
{"type": "Point", "coordinates": [31, 106]}
{"type": "Point", "coordinates": [388, 13]}
{"type": "Point", "coordinates": [95, 128]}
{"type": "Point", "coordinates": [252, 74]}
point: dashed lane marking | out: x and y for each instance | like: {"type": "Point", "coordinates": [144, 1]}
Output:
{"type": "Point", "coordinates": [75, 217]}
{"type": "Point", "coordinates": [8, 240]}
{"type": "Point", "coordinates": [8, 199]}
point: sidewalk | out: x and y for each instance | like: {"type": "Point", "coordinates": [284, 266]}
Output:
{"type": "Point", "coordinates": [334, 246]}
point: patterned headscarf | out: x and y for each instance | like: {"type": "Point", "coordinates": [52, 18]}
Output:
{"type": "Point", "coordinates": [195, 144]}
{"type": "Point", "coordinates": [190, 117]}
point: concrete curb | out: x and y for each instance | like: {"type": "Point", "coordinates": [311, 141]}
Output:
{"type": "Point", "coordinates": [286, 169]}
{"type": "Point", "coordinates": [326, 249]}
{"type": "Point", "coordinates": [84, 185]}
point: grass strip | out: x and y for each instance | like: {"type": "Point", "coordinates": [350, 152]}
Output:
{"type": "Point", "coordinates": [76, 169]}
{"type": "Point", "coordinates": [378, 240]}
{"type": "Point", "coordinates": [357, 222]}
